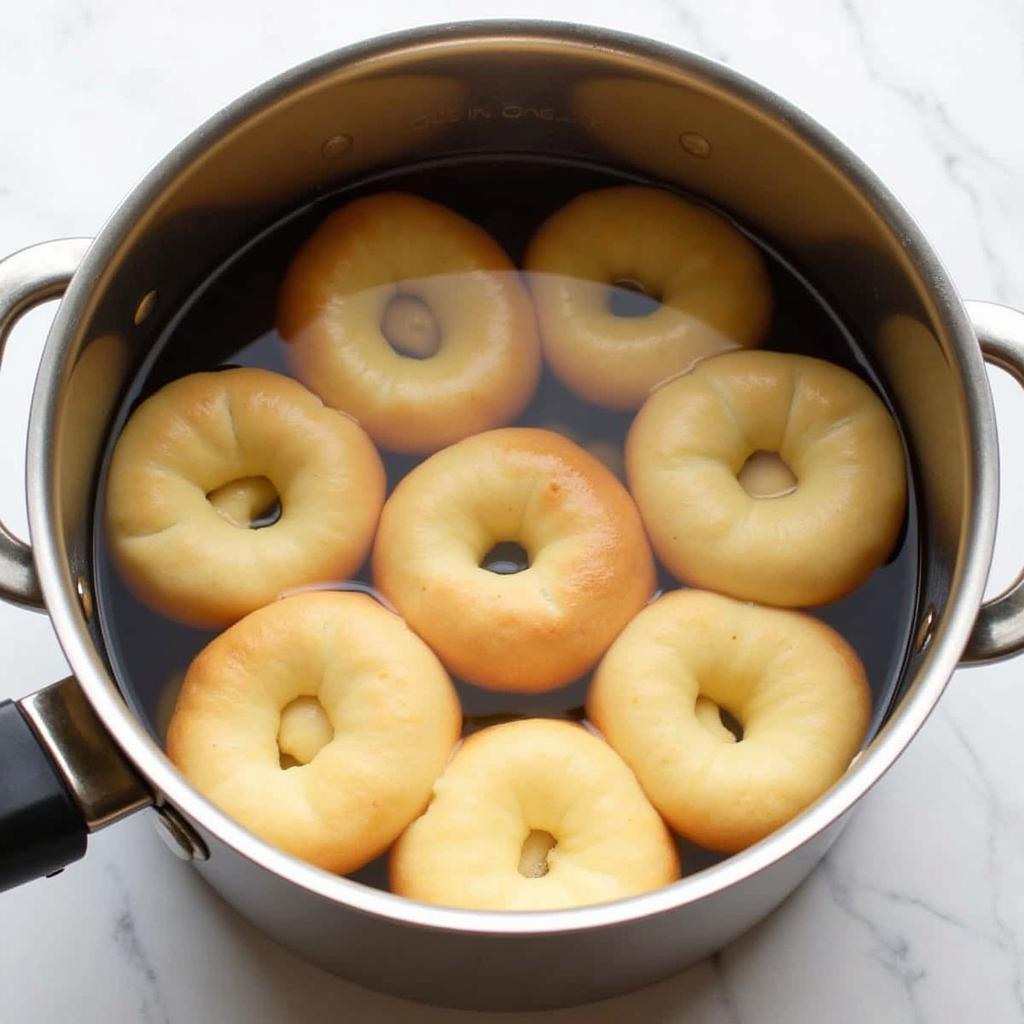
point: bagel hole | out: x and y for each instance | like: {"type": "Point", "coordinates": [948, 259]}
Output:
{"type": "Point", "coordinates": [731, 723]}
{"type": "Point", "coordinates": [250, 502]}
{"type": "Point", "coordinates": [629, 299]}
{"type": "Point", "coordinates": [533, 858]}
{"type": "Point", "coordinates": [410, 327]}
{"type": "Point", "coordinates": [718, 721]}
{"type": "Point", "coordinates": [766, 475]}
{"type": "Point", "coordinates": [505, 558]}
{"type": "Point", "coordinates": [303, 732]}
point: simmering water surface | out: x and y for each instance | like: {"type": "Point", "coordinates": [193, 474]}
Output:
{"type": "Point", "coordinates": [229, 321]}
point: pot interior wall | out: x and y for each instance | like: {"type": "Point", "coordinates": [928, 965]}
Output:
{"type": "Point", "coordinates": [327, 125]}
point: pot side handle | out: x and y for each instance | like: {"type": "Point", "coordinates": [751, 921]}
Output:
{"type": "Point", "coordinates": [999, 629]}
{"type": "Point", "coordinates": [27, 279]}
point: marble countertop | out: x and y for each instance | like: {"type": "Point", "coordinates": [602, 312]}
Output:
{"type": "Point", "coordinates": [918, 913]}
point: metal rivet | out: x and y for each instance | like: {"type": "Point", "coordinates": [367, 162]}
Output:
{"type": "Point", "coordinates": [336, 145]}
{"type": "Point", "coordinates": [178, 835]}
{"type": "Point", "coordinates": [923, 637]}
{"type": "Point", "coordinates": [695, 144]}
{"type": "Point", "coordinates": [84, 596]}
{"type": "Point", "coordinates": [145, 307]}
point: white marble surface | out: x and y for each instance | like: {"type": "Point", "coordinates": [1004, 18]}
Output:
{"type": "Point", "coordinates": [918, 914]}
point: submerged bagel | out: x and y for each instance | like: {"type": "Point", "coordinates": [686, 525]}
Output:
{"type": "Point", "coordinates": [387, 720]}
{"type": "Point", "coordinates": [413, 320]}
{"type": "Point", "coordinates": [191, 468]}
{"type": "Point", "coordinates": [709, 283]}
{"type": "Point", "coordinates": [485, 841]}
{"type": "Point", "coordinates": [590, 568]}
{"type": "Point", "coordinates": [793, 684]}
{"type": "Point", "coordinates": [691, 440]}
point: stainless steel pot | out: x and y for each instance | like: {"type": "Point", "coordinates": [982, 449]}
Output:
{"type": "Point", "coordinates": [79, 759]}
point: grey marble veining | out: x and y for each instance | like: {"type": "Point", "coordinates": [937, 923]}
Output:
{"type": "Point", "coordinates": [1004, 836]}
{"type": "Point", "coordinates": [127, 940]}
{"type": "Point", "coordinates": [955, 147]}
{"type": "Point", "coordinates": [917, 914]}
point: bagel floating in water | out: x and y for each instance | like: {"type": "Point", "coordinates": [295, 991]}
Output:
{"type": "Point", "coordinates": [584, 564]}
{"type": "Point", "coordinates": [806, 530]}
{"type": "Point", "coordinates": [198, 465]}
{"type": "Point", "coordinates": [534, 815]}
{"type": "Point", "coordinates": [337, 688]}
{"type": "Point", "coordinates": [794, 688]}
{"type": "Point", "coordinates": [635, 285]}
{"type": "Point", "coordinates": [413, 320]}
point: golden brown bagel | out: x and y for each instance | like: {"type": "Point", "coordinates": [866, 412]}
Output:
{"type": "Point", "coordinates": [710, 280]}
{"type": "Point", "coordinates": [335, 679]}
{"type": "Point", "coordinates": [590, 569]}
{"type": "Point", "coordinates": [463, 354]}
{"type": "Point", "coordinates": [186, 468]}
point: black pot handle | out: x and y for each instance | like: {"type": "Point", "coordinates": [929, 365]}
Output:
{"type": "Point", "coordinates": [42, 829]}
{"type": "Point", "coordinates": [61, 777]}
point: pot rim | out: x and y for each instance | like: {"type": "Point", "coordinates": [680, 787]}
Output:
{"type": "Point", "coordinates": [937, 664]}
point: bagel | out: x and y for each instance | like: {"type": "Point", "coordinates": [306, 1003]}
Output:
{"type": "Point", "coordinates": [589, 567]}
{"type": "Point", "coordinates": [191, 470]}
{"type": "Point", "coordinates": [338, 684]}
{"type": "Point", "coordinates": [711, 290]}
{"type": "Point", "coordinates": [794, 685]}
{"type": "Point", "coordinates": [687, 449]}
{"type": "Point", "coordinates": [413, 320]}
{"type": "Point", "coordinates": [534, 815]}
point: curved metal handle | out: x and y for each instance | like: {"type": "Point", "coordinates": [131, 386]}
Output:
{"type": "Point", "coordinates": [28, 278]}
{"type": "Point", "coordinates": [999, 630]}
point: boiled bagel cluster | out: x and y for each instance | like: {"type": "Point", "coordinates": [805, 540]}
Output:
{"type": "Point", "coordinates": [328, 724]}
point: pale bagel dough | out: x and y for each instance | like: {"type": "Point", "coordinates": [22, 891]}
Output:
{"type": "Point", "coordinates": [813, 544]}
{"type": "Point", "coordinates": [389, 721]}
{"type": "Point", "coordinates": [173, 524]}
{"type": "Point", "coordinates": [481, 843]}
{"type": "Point", "coordinates": [795, 686]}
{"type": "Point", "coordinates": [710, 279]}
{"type": "Point", "coordinates": [590, 568]}
{"type": "Point", "coordinates": [468, 358]}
